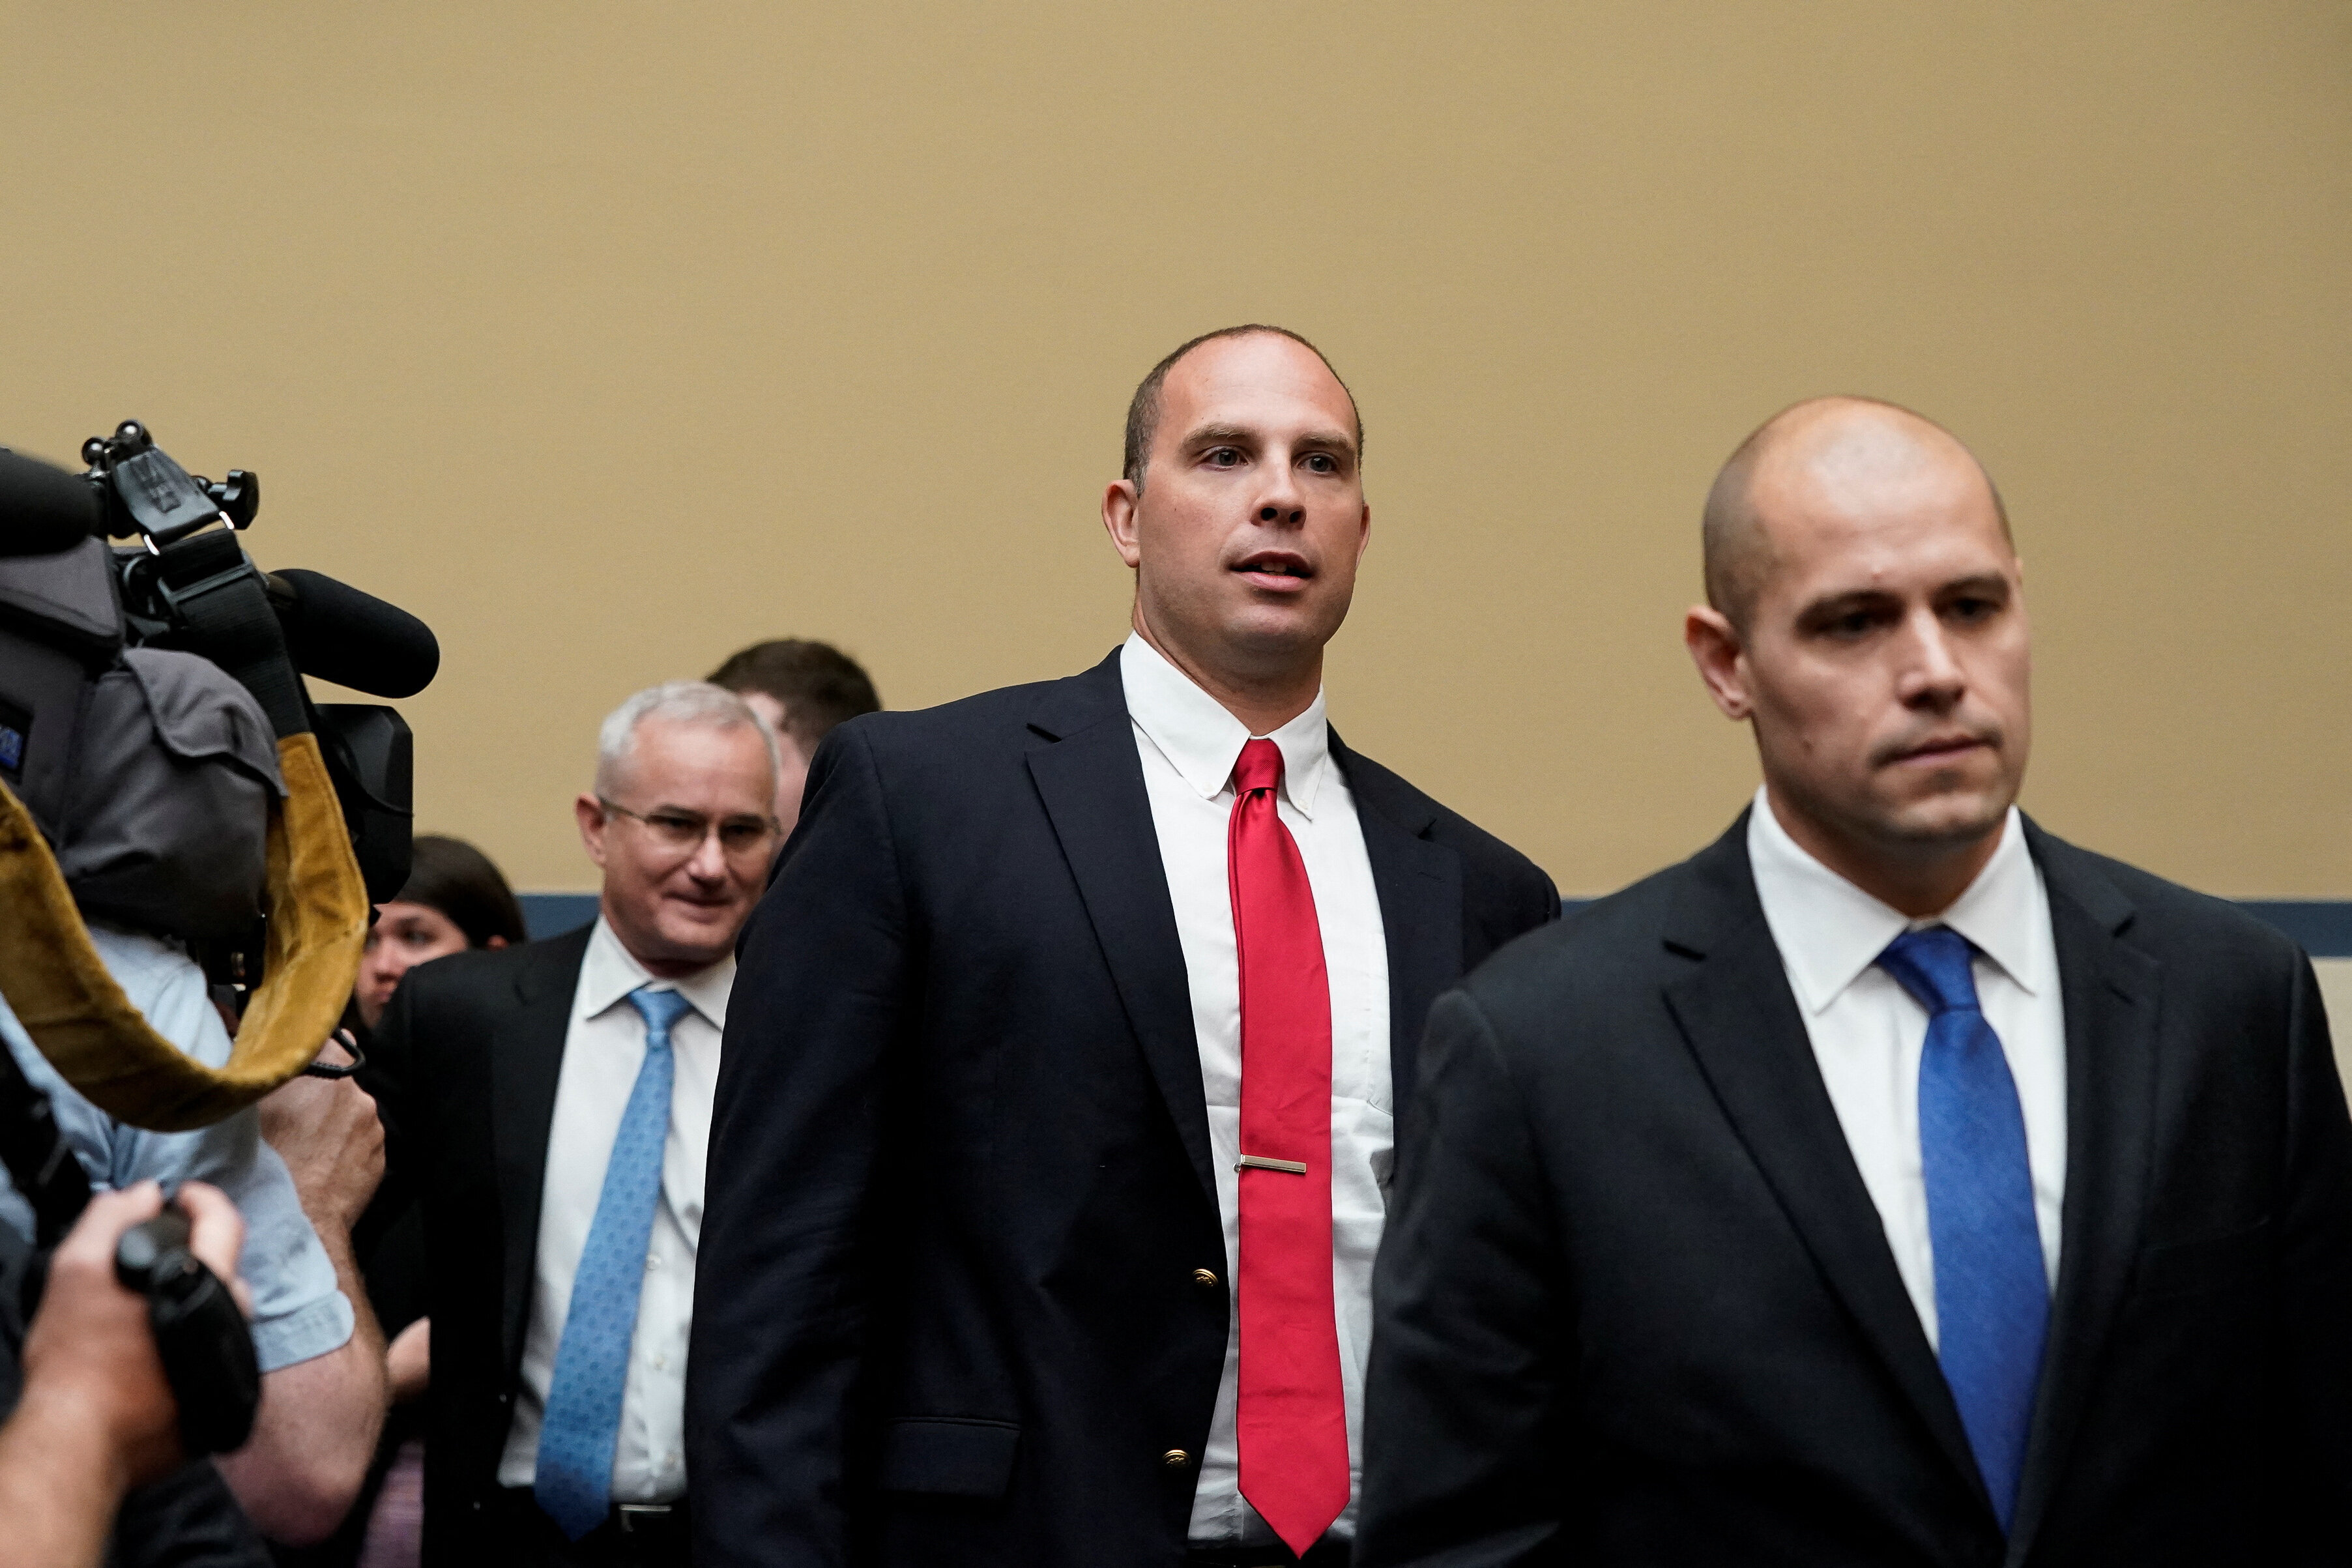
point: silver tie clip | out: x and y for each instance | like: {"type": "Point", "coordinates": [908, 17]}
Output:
{"type": "Point", "coordinates": [1259, 1161]}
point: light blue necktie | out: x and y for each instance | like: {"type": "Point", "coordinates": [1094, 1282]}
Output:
{"type": "Point", "coordinates": [582, 1425]}
{"type": "Point", "coordinates": [1992, 1298]}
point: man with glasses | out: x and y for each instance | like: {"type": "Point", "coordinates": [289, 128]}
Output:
{"type": "Point", "coordinates": [551, 1105]}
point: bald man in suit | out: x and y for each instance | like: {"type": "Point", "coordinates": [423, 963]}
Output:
{"type": "Point", "coordinates": [1893, 1183]}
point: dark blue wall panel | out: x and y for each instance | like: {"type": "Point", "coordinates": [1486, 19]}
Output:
{"type": "Point", "coordinates": [2324, 926]}
{"type": "Point", "coordinates": [552, 914]}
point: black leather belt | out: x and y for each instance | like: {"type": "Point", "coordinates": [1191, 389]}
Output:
{"type": "Point", "coordinates": [651, 1518]}
{"type": "Point", "coordinates": [1328, 1552]}
{"type": "Point", "coordinates": [634, 1534]}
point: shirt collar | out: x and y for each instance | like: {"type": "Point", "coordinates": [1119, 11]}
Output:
{"type": "Point", "coordinates": [1202, 742]}
{"type": "Point", "coordinates": [610, 971]}
{"type": "Point", "coordinates": [1829, 931]}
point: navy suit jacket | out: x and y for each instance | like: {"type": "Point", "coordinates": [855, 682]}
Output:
{"type": "Point", "coordinates": [464, 1068]}
{"type": "Point", "coordinates": [946, 1305]}
{"type": "Point", "coordinates": [1636, 1305]}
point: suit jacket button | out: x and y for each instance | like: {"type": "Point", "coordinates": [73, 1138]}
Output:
{"type": "Point", "coordinates": [1205, 1278]}
{"type": "Point", "coordinates": [1175, 1459]}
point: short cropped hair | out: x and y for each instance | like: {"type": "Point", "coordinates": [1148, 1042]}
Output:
{"type": "Point", "coordinates": [680, 702]}
{"type": "Point", "coordinates": [1734, 547]}
{"type": "Point", "coordinates": [816, 684]}
{"type": "Point", "coordinates": [454, 878]}
{"type": "Point", "coordinates": [1144, 408]}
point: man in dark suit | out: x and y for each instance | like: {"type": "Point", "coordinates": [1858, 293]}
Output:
{"type": "Point", "coordinates": [549, 1105]}
{"type": "Point", "coordinates": [1893, 1183]}
{"type": "Point", "coordinates": [1054, 1132]}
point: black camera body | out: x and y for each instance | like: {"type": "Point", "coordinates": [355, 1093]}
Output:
{"type": "Point", "coordinates": [143, 688]}
{"type": "Point", "coordinates": [200, 1336]}
{"type": "Point", "coordinates": [182, 587]}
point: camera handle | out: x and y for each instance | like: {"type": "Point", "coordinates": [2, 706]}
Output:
{"type": "Point", "coordinates": [202, 1338]}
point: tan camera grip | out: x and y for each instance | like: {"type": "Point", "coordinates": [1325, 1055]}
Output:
{"type": "Point", "coordinates": [102, 1045]}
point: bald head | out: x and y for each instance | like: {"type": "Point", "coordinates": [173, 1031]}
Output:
{"type": "Point", "coordinates": [1867, 620]}
{"type": "Point", "coordinates": [1826, 453]}
{"type": "Point", "coordinates": [1144, 410]}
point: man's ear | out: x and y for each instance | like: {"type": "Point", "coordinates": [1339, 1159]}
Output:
{"type": "Point", "coordinates": [1715, 646]}
{"type": "Point", "coordinates": [589, 812]}
{"type": "Point", "coordinates": [1120, 503]}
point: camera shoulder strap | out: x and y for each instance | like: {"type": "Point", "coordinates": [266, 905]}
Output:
{"type": "Point", "coordinates": [220, 600]}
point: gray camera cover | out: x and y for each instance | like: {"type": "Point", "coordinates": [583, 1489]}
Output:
{"type": "Point", "coordinates": [174, 773]}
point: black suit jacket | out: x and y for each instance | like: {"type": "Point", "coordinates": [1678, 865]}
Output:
{"type": "Point", "coordinates": [946, 1308]}
{"type": "Point", "coordinates": [1636, 1305]}
{"type": "Point", "coordinates": [463, 1067]}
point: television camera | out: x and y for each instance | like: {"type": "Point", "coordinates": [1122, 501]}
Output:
{"type": "Point", "coordinates": [163, 768]}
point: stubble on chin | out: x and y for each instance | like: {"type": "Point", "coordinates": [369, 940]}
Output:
{"type": "Point", "coordinates": [1950, 813]}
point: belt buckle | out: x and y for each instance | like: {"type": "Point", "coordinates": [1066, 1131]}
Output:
{"type": "Point", "coordinates": [632, 1517]}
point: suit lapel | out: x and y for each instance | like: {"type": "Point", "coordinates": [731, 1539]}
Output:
{"type": "Point", "coordinates": [2110, 992]}
{"type": "Point", "coordinates": [1419, 884]}
{"type": "Point", "coordinates": [526, 1059]}
{"type": "Point", "coordinates": [1741, 1020]}
{"type": "Point", "coordinates": [1091, 783]}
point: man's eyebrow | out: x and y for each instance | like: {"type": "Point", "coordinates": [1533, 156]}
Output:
{"type": "Point", "coordinates": [1325, 441]}
{"type": "Point", "coordinates": [723, 818]}
{"type": "Point", "coordinates": [1220, 436]}
{"type": "Point", "coordinates": [1243, 436]}
{"type": "Point", "coordinates": [1844, 601]}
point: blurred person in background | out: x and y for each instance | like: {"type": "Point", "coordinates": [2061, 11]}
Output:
{"type": "Point", "coordinates": [551, 1108]}
{"type": "Point", "coordinates": [455, 900]}
{"type": "Point", "coordinates": [800, 690]}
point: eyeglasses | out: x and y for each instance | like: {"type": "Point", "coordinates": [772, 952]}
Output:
{"type": "Point", "coordinates": [684, 831]}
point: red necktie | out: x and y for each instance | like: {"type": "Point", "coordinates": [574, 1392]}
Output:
{"type": "Point", "coordinates": [1293, 1419]}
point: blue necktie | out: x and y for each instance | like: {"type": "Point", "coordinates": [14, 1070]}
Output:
{"type": "Point", "coordinates": [1992, 1298]}
{"type": "Point", "coordinates": [582, 1424]}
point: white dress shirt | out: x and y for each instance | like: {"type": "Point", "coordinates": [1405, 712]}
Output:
{"type": "Point", "coordinates": [1867, 1033]}
{"type": "Point", "coordinates": [1189, 744]}
{"type": "Point", "coordinates": [602, 1050]}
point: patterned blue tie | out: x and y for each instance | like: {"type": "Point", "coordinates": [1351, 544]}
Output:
{"type": "Point", "coordinates": [582, 1425]}
{"type": "Point", "coordinates": [1992, 1298]}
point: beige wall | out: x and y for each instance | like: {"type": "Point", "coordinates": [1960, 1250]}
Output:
{"type": "Point", "coordinates": [609, 337]}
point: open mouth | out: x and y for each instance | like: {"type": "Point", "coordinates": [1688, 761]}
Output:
{"type": "Point", "coordinates": [1276, 569]}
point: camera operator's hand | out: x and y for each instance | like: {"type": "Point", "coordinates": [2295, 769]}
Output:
{"type": "Point", "coordinates": [327, 1132]}
{"type": "Point", "coordinates": [316, 1430]}
{"type": "Point", "coordinates": [97, 1417]}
